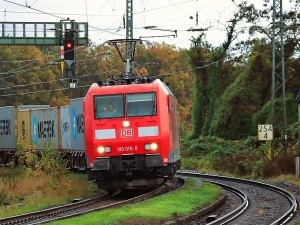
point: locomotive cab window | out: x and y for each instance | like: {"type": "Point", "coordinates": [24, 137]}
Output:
{"type": "Point", "coordinates": [141, 104]}
{"type": "Point", "coordinates": [108, 106]}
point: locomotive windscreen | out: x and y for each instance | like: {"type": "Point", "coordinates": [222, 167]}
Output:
{"type": "Point", "coordinates": [137, 104]}
{"type": "Point", "coordinates": [109, 106]}
{"type": "Point", "coordinates": [141, 104]}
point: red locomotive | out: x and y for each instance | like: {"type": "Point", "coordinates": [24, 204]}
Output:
{"type": "Point", "coordinates": [131, 135]}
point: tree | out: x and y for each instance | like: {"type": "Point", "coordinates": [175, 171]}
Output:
{"type": "Point", "coordinates": [24, 72]}
{"type": "Point", "coordinates": [240, 101]}
{"type": "Point", "coordinates": [172, 65]}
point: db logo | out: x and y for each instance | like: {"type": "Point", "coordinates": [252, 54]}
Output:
{"type": "Point", "coordinates": [126, 132]}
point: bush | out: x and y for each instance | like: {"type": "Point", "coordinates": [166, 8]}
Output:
{"type": "Point", "coordinates": [49, 162]}
{"type": "Point", "coordinates": [246, 157]}
{"type": "Point", "coordinates": [25, 156]}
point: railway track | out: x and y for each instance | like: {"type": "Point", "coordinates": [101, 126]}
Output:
{"type": "Point", "coordinates": [260, 203]}
{"type": "Point", "coordinates": [247, 203]}
{"type": "Point", "coordinates": [78, 208]}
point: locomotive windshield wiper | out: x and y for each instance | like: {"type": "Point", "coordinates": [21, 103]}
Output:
{"type": "Point", "coordinates": [95, 110]}
{"type": "Point", "coordinates": [128, 108]}
{"type": "Point", "coordinates": [153, 105]}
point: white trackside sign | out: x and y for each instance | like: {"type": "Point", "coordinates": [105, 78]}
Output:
{"type": "Point", "coordinates": [265, 132]}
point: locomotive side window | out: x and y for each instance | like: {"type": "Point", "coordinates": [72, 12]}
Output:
{"type": "Point", "coordinates": [141, 104]}
{"type": "Point", "coordinates": [108, 106]}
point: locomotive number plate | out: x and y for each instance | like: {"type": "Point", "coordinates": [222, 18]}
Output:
{"type": "Point", "coordinates": [127, 148]}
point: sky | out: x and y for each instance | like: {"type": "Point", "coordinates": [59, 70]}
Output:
{"type": "Point", "coordinates": [105, 17]}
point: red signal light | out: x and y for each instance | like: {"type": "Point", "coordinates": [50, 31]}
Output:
{"type": "Point", "coordinates": [68, 44]}
{"type": "Point", "coordinates": [69, 49]}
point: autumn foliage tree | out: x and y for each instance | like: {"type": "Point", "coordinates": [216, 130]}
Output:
{"type": "Point", "coordinates": [31, 75]}
{"type": "Point", "coordinates": [165, 62]}
{"type": "Point", "coordinates": [28, 76]}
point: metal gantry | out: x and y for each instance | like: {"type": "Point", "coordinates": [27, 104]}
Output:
{"type": "Point", "coordinates": [41, 33]}
{"type": "Point", "coordinates": [278, 76]}
{"type": "Point", "coordinates": [66, 33]}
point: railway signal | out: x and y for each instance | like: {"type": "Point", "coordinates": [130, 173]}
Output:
{"type": "Point", "coordinates": [69, 46]}
{"type": "Point", "coordinates": [69, 56]}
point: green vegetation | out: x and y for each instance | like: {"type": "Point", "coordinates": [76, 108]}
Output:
{"type": "Point", "coordinates": [247, 157]}
{"type": "Point", "coordinates": [22, 193]}
{"type": "Point", "coordinates": [232, 82]}
{"type": "Point", "coordinates": [37, 184]}
{"type": "Point", "coordinates": [223, 93]}
{"type": "Point", "coordinates": [167, 207]}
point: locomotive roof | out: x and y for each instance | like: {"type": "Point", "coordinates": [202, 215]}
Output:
{"type": "Point", "coordinates": [130, 88]}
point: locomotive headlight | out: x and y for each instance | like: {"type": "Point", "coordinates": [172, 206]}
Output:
{"type": "Point", "coordinates": [152, 146]}
{"type": "Point", "coordinates": [102, 149]}
{"type": "Point", "coordinates": [126, 123]}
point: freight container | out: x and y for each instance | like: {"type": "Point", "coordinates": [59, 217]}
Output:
{"type": "Point", "coordinates": [7, 133]}
{"type": "Point", "coordinates": [8, 116]}
{"type": "Point", "coordinates": [77, 125]}
{"type": "Point", "coordinates": [24, 123]}
{"type": "Point", "coordinates": [78, 157]}
{"type": "Point", "coordinates": [15, 124]}
{"type": "Point", "coordinates": [45, 128]}
{"type": "Point", "coordinates": [65, 128]}
{"type": "Point", "coordinates": [24, 128]}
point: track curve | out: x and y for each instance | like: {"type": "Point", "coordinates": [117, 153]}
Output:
{"type": "Point", "coordinates": [268, 204]}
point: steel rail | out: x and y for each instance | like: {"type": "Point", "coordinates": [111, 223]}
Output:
{"type": "Point", "coordinates": [228, 217]}
{"type": "Point", "coordinates": [283, 219]}
{"type": "Point", "coordinates": [48, 215]}
{"type": "Point", "coordinates": [114, 205]}
{"type": "Point", "coordinates": [46, 212]}
{"type": "Point", "coordinates": [236, 212]}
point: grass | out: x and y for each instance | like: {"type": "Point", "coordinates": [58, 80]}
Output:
{"type": "Point", "coordinates": [194, 164]}
{"type": "Point", "coordinates": [20, 193]}
{"type": "Point", "coordinates": [156, 210]}
{"type": "Point", "coordinates": [25, 193]}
